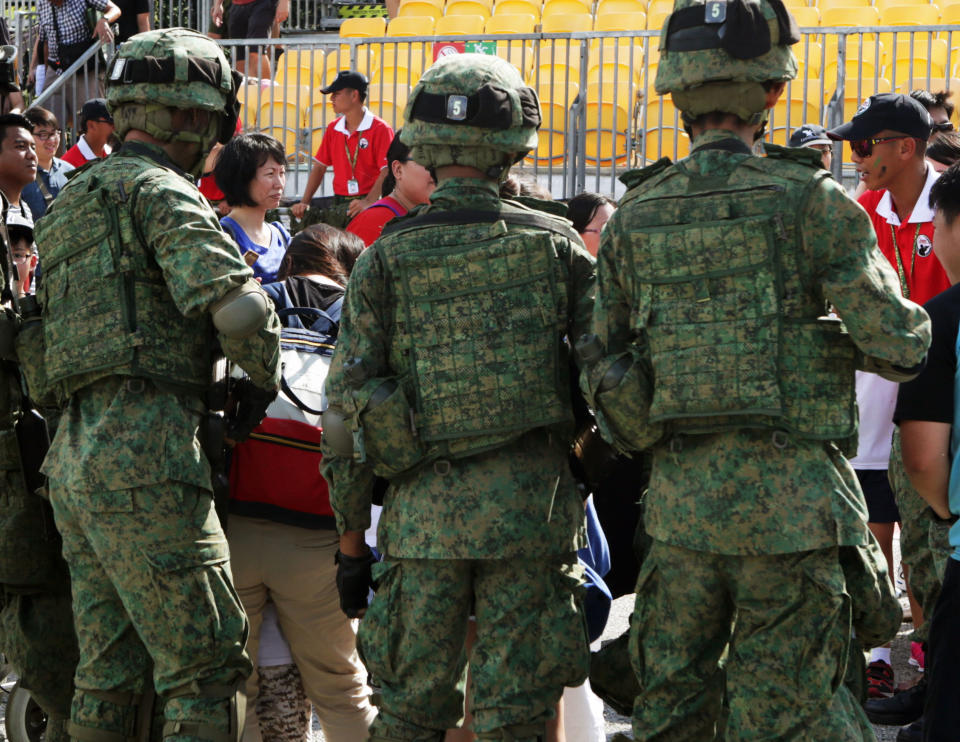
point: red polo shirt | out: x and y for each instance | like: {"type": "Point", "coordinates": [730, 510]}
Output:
{"type": "Point", "coordinates": [360, 155]}
{"type": "Point", "coordinates": [919, 269]}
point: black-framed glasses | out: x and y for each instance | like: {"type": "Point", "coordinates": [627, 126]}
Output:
{"type": "Point", "coordinates": [864, 147]}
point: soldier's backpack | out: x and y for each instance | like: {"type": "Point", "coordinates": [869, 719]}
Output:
{"type": "Point", "coordinates": [288, 439]}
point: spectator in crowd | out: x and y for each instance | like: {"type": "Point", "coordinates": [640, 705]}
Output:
{"type": "Point", "coordinates": [251, 172]}
{"type": "Point", "coordinates": [65, 34]}
{"type": "Point", "coordinates": [18, 164]}
{"type": "Point", "coordinates": [23, 253]}
{"type": "Point", "coordinates": [251, 19]}
{"type": "Point", "coordinates": [281, 530]}
{"type": "Point", "coordinates": [888, 138]}
{"type": "Point", "coordinates": [589, 212]}
{"type": "Point", "coordinates": [96, 123]}
{"type": "Point", "coordinates": [355, 145]}
{"type": "Point", "coordinates": [135, 17]}
{"type": "Point", "coordinates": [814, 136]}
{"type": "Point", "coordinates": [926, 414]}
{"type": "Point", "coordinates": [407, 184]}
{"type": "Point", "coordinates": [51, 170]}
{"type": "Point", "coordinates": [939, 107]}
{"type": "Point", "coordinates": [943, 150]}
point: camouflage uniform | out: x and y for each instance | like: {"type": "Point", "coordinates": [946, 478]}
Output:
{"type": "Point", "coordinates": [135, 258]}
{"type": "Point", "coordinates": [712, 281]}
{"type": "Point", "coordinates": [488, 522]}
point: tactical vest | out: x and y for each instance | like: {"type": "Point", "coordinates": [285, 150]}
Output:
{"type": "Point", "coordinates": [735, 322]}
{"type": "Point", "coordinates": [107, 309]}
{"type": "Point", "coordinates": [479, 316]}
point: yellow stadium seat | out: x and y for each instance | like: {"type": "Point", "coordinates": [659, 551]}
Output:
{"type": "Point", "coordinates": [656, 18]}
{"type": "Point", "coordinates": [917, 61]}
{"type": "Point", "coordinates": [249, 96]}
{"type": "Point", "coordinates": [910, 15]}
{"type": "Point", "coordinates": [565, 7]}
{"type": "Point", "coordinates": [510, 23]}
{"type": "Point", "coordinates": [849, 16]}
{"type": "Point", "coordinates": [401, 65]}
{"type": "Point", "coordinates": [419, 8]}
{"type": "Point", "coordinates": [616, 62]}
{"type": "Point", "coordinates": [563, 92]}
{"type": "Point", "coordinates": [606, 7]}
{"type": "Point", "coordinates": [411, 25]}
{"type": "Point", "coordinates": [620, 22]}
{"type": "Point", "coordinates": [565, 23]}
{"type": "Point", "coordinates": [800, 104]}
{"type": "Point", "coordinates": [283, 115]}
{"type": "Point", "coordinates": [318, 117]}
{"type": "Point", "coordinates": [468, 7]}
{"type": "Point", "coordinates": [794, 4]}
{"type": "Point", "coordinates": [809, 59]}
{"type": "Point", "coordinates": [339, 59]}
{"type": "Point", "coordinates": [662, 131]}
{"type": "Point", "coordinates": [387, 100]}
{"type": "Point", "coordinates": [518, 53]}
{"type": "Point", "coordinates": [825, 5]}
{"type": "Point", "coordinates": [460, 25]}
{"type": "Point", "coordinates": [806, 17]}
{"type": "Point", "coordinates": [518, 7]}
{"type": "Point", "coordinates": [551, 137]}
{"type": "Point", "coordinates": [353, 27]}
{"type": "Point", "coordinates": [655, 6]}
{"type": "Point", "coordinates": [562, 55]}
{"type": "Point", "coordinates": [861, 64]}
{"type": "Point", "coordinates": [301, 67]}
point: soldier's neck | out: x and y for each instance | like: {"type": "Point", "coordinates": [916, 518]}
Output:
{"type": "Point", "coordinates": [906, 188]}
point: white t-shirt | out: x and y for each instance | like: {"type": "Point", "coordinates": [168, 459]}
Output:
{"type": "Point", "coordinates": [876, 398]}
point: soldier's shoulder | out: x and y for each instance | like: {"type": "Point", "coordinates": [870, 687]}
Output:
{"type": "Point", "coordinates": [788, 156]}
{"type": "Point", "coordinates": [640, 180]}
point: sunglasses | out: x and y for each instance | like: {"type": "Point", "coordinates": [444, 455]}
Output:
{"type": "Point", "coordinates": [943, 126]}
{"type": "Point", "coordinates": [864, 147]}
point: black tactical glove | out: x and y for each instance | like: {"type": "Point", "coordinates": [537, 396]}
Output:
{"type": "Point", "coordinates": [354, 581]}
{"type": "Point", "coordinates": [252, 403]}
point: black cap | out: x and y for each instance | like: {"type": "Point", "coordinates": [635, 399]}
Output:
{"type": "Point", "coordinates": [886, 111]}
{"type": "Point", "coordinates": [808, 135]}
{"type": "Point", "coordinates": [95, 109]}
{"type": "Point", "coordinates": [346, 79]}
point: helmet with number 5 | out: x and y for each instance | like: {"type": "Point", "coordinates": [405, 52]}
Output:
{"type": "Point", "coordinates": [471, 109]}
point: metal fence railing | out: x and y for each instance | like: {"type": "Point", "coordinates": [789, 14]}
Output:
{"type": "Point", "coordinates": [601, 113]}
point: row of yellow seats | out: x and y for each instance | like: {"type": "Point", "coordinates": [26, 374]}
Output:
{"type": "Point", "coordinates": [879, 4]}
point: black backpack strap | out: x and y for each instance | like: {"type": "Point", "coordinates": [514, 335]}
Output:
{"type": "Point", "coordinates": [285, 388]}
{"type": "Point", "coordinates": [478, 216]}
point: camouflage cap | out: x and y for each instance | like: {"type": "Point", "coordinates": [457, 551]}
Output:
{"type": "Point", "coordinates": [714, 54]}
{"type": "Point", "coordinates": [471, 109]}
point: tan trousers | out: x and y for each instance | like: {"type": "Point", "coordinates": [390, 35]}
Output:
{"type": "Point", "coordinates": [294, 568]}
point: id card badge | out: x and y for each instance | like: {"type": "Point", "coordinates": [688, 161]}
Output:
{"type": "Point", "coordinates": [353, 187]}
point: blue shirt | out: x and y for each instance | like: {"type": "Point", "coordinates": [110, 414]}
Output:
{"type": "Point", "coordinates": [268, 257]}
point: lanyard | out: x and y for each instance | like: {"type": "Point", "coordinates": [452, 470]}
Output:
{"type": "Point", "coordinates": [905, 279]}
{"type": "Point", "coordinates": [351, 160]}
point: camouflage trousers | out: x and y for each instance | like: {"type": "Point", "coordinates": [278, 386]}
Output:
{"type": "Point", "coordinates": [743, 648]}
{"type": "Point", "coordinates": [283, 710]}
{"type": "Point", "coordinates": [151, 584]}
{"type": "Point", "coordinates": [924, 541]}
{"type": "Point", "coordinates": [531, 643]}
{"type": "Point", "coordinates": [333, 212]}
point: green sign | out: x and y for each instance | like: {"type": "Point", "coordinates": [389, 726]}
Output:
{"type": "Point", "coordinates": [481, 47]}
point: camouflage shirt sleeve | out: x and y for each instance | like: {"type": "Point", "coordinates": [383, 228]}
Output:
{"type": "Point", "coordinates": [363, 334]}
{"type": "Point", "coordinates": [201, 265]}
{"type": "Point", "coordinates": [583, 278]}
{"type": "Point", "coordinates": [859, 282]}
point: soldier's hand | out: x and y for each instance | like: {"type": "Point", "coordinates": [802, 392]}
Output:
{"type": "Point", "coordinates": [354, 580]}
{"type": "Point", "coordinates": [252, 403]}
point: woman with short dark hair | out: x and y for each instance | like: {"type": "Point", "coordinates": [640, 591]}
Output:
{"type": "Point", "coordinates": [589, 212]}
{"type": "Point", "coordinates": [251, 172]}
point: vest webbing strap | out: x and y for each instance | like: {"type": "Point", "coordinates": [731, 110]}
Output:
{"type": "Point", "coordinates": [479, 216]}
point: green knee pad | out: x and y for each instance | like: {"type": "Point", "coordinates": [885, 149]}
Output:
{"type": "Point", "coordinates": [111, 716]}
{"type": "Point", "coordinates": [515, 733]}
{"type": "Point", "coordinates": [212, 713]}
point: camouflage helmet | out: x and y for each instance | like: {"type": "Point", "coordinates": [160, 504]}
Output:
{"type": "Point", "coordinates": [171, 68]}
{"type": "Point", "coordinates": [715, 55]}
{"type": "Point", "coordinates": [471, 109]}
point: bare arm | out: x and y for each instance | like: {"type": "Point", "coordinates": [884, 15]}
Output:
{"type": "Point", "coordinates": [143, 22]}
{"type": "Point", "coordinates": [926, 460]}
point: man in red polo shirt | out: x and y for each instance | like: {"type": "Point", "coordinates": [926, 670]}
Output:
{"type": "Point", "coordinates": [888, 138]}
{"type": "Point", "coordinates": [355, 145]}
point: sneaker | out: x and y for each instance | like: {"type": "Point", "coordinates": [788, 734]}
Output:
{"type": "Point", "coordinates": [911, 732]}
{"type": "Point", "coordinates": [903, 708]}
{"type": "Point", "coordinates": [916, 656]}
{"type": "Point", "coordinates": [879, 679]}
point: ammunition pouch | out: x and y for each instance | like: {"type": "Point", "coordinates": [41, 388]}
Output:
{"type": "Point", "coordinates": [621, 391]}
{"type": "Point", "coordinates": [30, 351]}
{"type": "Point", "coordinates": [132, 714]}
{"type": "Point", "coordinates": [386, 434]}
{"type": "Point", "coordinates": [233, 695]}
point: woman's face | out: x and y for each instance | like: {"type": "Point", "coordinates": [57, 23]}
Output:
{"type": "Point", "coordinates": [414, 182]}
{"type": "Point", "coordinates": [266, 188]}
{"type": "Point", "coordinates": [591, 233]}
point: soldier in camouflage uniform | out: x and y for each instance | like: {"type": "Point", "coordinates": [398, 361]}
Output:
{"type": "Point", "coordinates": [139, 284]}
{"type": "Point", "coordinates": [714, 278]}
{"type": "Point", "coordinates": [450, 376]}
